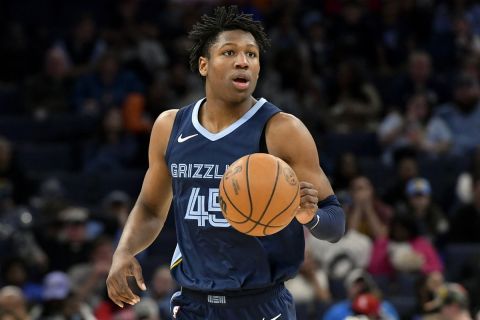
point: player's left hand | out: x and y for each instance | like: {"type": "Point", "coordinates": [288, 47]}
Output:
{"type": "Point", "coordinates": [308, 203]}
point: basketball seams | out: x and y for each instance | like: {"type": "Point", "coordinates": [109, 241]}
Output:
{"type": "Point", "coordinates": [268, 224]}
{"type": "Point", "coordinates": [269, 200]}
{"type": "Point", "coordinates": [248, 187]}
{"type": "Point", "coordinates": [233, 205]}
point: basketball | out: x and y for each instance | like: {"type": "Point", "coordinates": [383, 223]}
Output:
{"type": "Point", "coordinates": [259, 194]}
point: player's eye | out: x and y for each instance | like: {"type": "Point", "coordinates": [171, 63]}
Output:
{"type": "Point", "coordinates": [252, 54]}
{"type": "Point", "coordinates": [228, 53]}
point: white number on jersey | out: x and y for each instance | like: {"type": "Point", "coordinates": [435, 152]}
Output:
{"type": "Point", "coordinates": [203, 212]}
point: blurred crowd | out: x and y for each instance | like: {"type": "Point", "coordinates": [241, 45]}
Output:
{"type": "Point", "coordinates": [389, 89]}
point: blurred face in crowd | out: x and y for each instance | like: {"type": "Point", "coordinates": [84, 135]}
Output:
{"type": "Point", "coordinates": [113, 121]}
{"type": "Point", "coordinates": [12, 299]}
{"type": "Point", "coordinates": [407, 169]}
{"type": "Point", "coordinates": [84, 31]}
{"type": "Point", "coordinates": [420, 67]}
{"type": "Point", "coordinates": [417, 107]}
{"type": "Point", "coordinates": [5, 153]}
{"type": "Point", "coordinates": [348, 165]}
{"type": "Point", "coordinates": [108, 68]}
{"type": "Point", "coordinates": [466, 95]}
{"type": "Point", "coordinates": [419, 203]}
{"type": "Point", "coordinates": [361, 189]}
{"type": "Point", "coordinates": [162, 282]}
{"type": "Point", "coordinates": [56, 64]}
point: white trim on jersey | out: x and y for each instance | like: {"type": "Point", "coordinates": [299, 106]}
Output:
{"type": "Point", "coordinates": [177, 255]}
{"type": "Point", "coordinates": [216, 136]}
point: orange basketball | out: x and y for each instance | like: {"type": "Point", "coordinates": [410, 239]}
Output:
{"type": "Point", "coordinates": [259, 194]}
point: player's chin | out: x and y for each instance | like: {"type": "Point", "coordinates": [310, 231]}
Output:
{"type": "Point", "coordinates": [240, 96]}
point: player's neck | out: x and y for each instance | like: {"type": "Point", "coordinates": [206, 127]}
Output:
{"type": "Point", "coordinates": [216, 115]}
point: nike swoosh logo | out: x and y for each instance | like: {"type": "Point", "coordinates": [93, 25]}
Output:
{"type": "Point", "coordinates": [274, 317]}
{"type": "Point", "coordinates": [183, 139]}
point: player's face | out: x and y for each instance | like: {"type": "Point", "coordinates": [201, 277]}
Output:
{"type": "Point", "coordinates": [233, 66]}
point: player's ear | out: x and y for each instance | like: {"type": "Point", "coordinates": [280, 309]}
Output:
{"type": "Point", "coordinates": [202, 66]}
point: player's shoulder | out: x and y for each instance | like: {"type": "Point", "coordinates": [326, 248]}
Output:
{"type": "Point", "coordinates": [166, 116]}
{"type": "Point", "coordinates": [285, 122]}
{"type": "Point", "coordinates": [163, 125]}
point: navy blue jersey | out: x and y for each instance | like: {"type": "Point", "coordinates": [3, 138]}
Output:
{"type": "Point", "coordinates": [210, 254]}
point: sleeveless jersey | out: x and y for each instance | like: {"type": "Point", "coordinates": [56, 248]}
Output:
{"type": "Point", "coordinates": [211, 255]}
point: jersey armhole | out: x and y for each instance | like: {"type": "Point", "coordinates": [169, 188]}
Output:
{"type": "Point", "coordinates": [263, 141]}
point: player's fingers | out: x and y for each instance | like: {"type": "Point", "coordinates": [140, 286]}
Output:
{"type": "Point", "coordinates": [308, 191]}
{"type": "Point", "coordinates": [304, 184]}
{"type": "Point", "coordinates": [119, 291]}
{"type": "Point", "coordinates": [121, 296]}
{"type": "Point", "coordinates": [137, 274]}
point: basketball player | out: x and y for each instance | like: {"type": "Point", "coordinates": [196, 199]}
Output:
{"type": "Point", "coordinates": [224, 274]}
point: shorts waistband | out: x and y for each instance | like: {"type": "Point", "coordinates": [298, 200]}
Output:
{"type": "Point", "coordinates": [234, 297]}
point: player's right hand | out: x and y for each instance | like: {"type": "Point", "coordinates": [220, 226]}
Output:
{"type": "Point", "coordinates": [123, 266]}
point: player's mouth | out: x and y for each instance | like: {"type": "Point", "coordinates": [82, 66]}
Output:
{"type": "Point", "coordinates": [241, 82]}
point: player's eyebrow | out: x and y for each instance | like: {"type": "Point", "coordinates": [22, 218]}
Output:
{"type": "Point", "coordinates": [235, 44]}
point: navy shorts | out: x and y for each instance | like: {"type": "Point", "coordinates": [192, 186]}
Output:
{"type": "Point", "coordinates": [274, 303]}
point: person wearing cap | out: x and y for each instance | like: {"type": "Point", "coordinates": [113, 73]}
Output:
{"type": "Point", "coordinates": [359, 283]}
{"type": "Point", "coordinates": [429, 217]}
{"type": "Point", "coordinates": [454, 302]}
{"type": "Point", "coordinates": [71, 244]}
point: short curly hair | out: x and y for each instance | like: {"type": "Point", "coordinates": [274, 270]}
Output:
{"type": "Point", "coordinates": [205, 32]}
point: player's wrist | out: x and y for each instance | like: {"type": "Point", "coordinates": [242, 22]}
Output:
{"type": "Point", "coordinates": [313, 222]}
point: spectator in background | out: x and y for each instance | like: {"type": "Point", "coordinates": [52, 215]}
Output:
{"type": "Point", "coordinates": [13, 182]}
{"type": "Point", "coordinates": [365, 203]}
{"type": "Point", "coordinates": [462, 115]}
{"type": "Point", "coordinates": [82, 46]}
{"type": "Point", "coordinates": [464, 185]}
{"type": "Point", "coordinates": [351, 33]}
{"type": "Point", "coordinates": [430, 219]}
{"type": "Point", "coordinates": [310, 289]}
{"type": "Point", "coordinates": [393, 35]}
{"type": "Point", "coordinates": [107, 87]}
{"type": "Point", "coordinates": [400, 248]}
{"type": "Point", "coordinates": [352, 251]}
{"type": "Point", "coordinates": [428, 302]}
{"type": "Point", "coordinates": [71, 245]}
{"type": "Point", "coordinates": [358, 283]}
{"type": "Point", "coordinates": [13, 300]}
{"type": "Point", "coordinates": [345, 170]}
{"type": "Point", "coordinates": [454, 305]}
{"type": "Point", "coordinates": [465, 221]}
{"type": "Point", "coordinates": [414, 128]}
{"type": "Point", "coordinates": [113, 149]}
{"type": "Point", "coordinates": [49, 92]}
{"type": "Point", "coordinates": [419, 78]}
{"type": "Point", "coordinates": [59, 303]}
{"type": "Point", "coordinates": [16, 272]}
{"type": "Point", "coordinates": [88, 279]}
{"type": "Point", "coordinates": [356, 103]}
{"type": "Point", "coordinates": [161, 289]}
{"type": "Point", "coordinates": [406, 167]}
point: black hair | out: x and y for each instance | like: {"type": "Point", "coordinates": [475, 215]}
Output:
{"type": "Point", "coordinates": [205, 32]}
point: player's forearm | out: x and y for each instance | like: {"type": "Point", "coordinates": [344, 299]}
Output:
{"type": "Point", "coordinates": [142, 228]}
{"type": "Point", "coordinates": [329, 222]}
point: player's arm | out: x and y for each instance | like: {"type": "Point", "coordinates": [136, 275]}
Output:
{"type": "Point", "coordinates": [289, 139]}
{"type": "Point", "coordinates": [146, 218]}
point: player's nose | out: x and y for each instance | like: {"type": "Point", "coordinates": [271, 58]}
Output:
{"type": "Point", "coordinates": [241, 61]}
